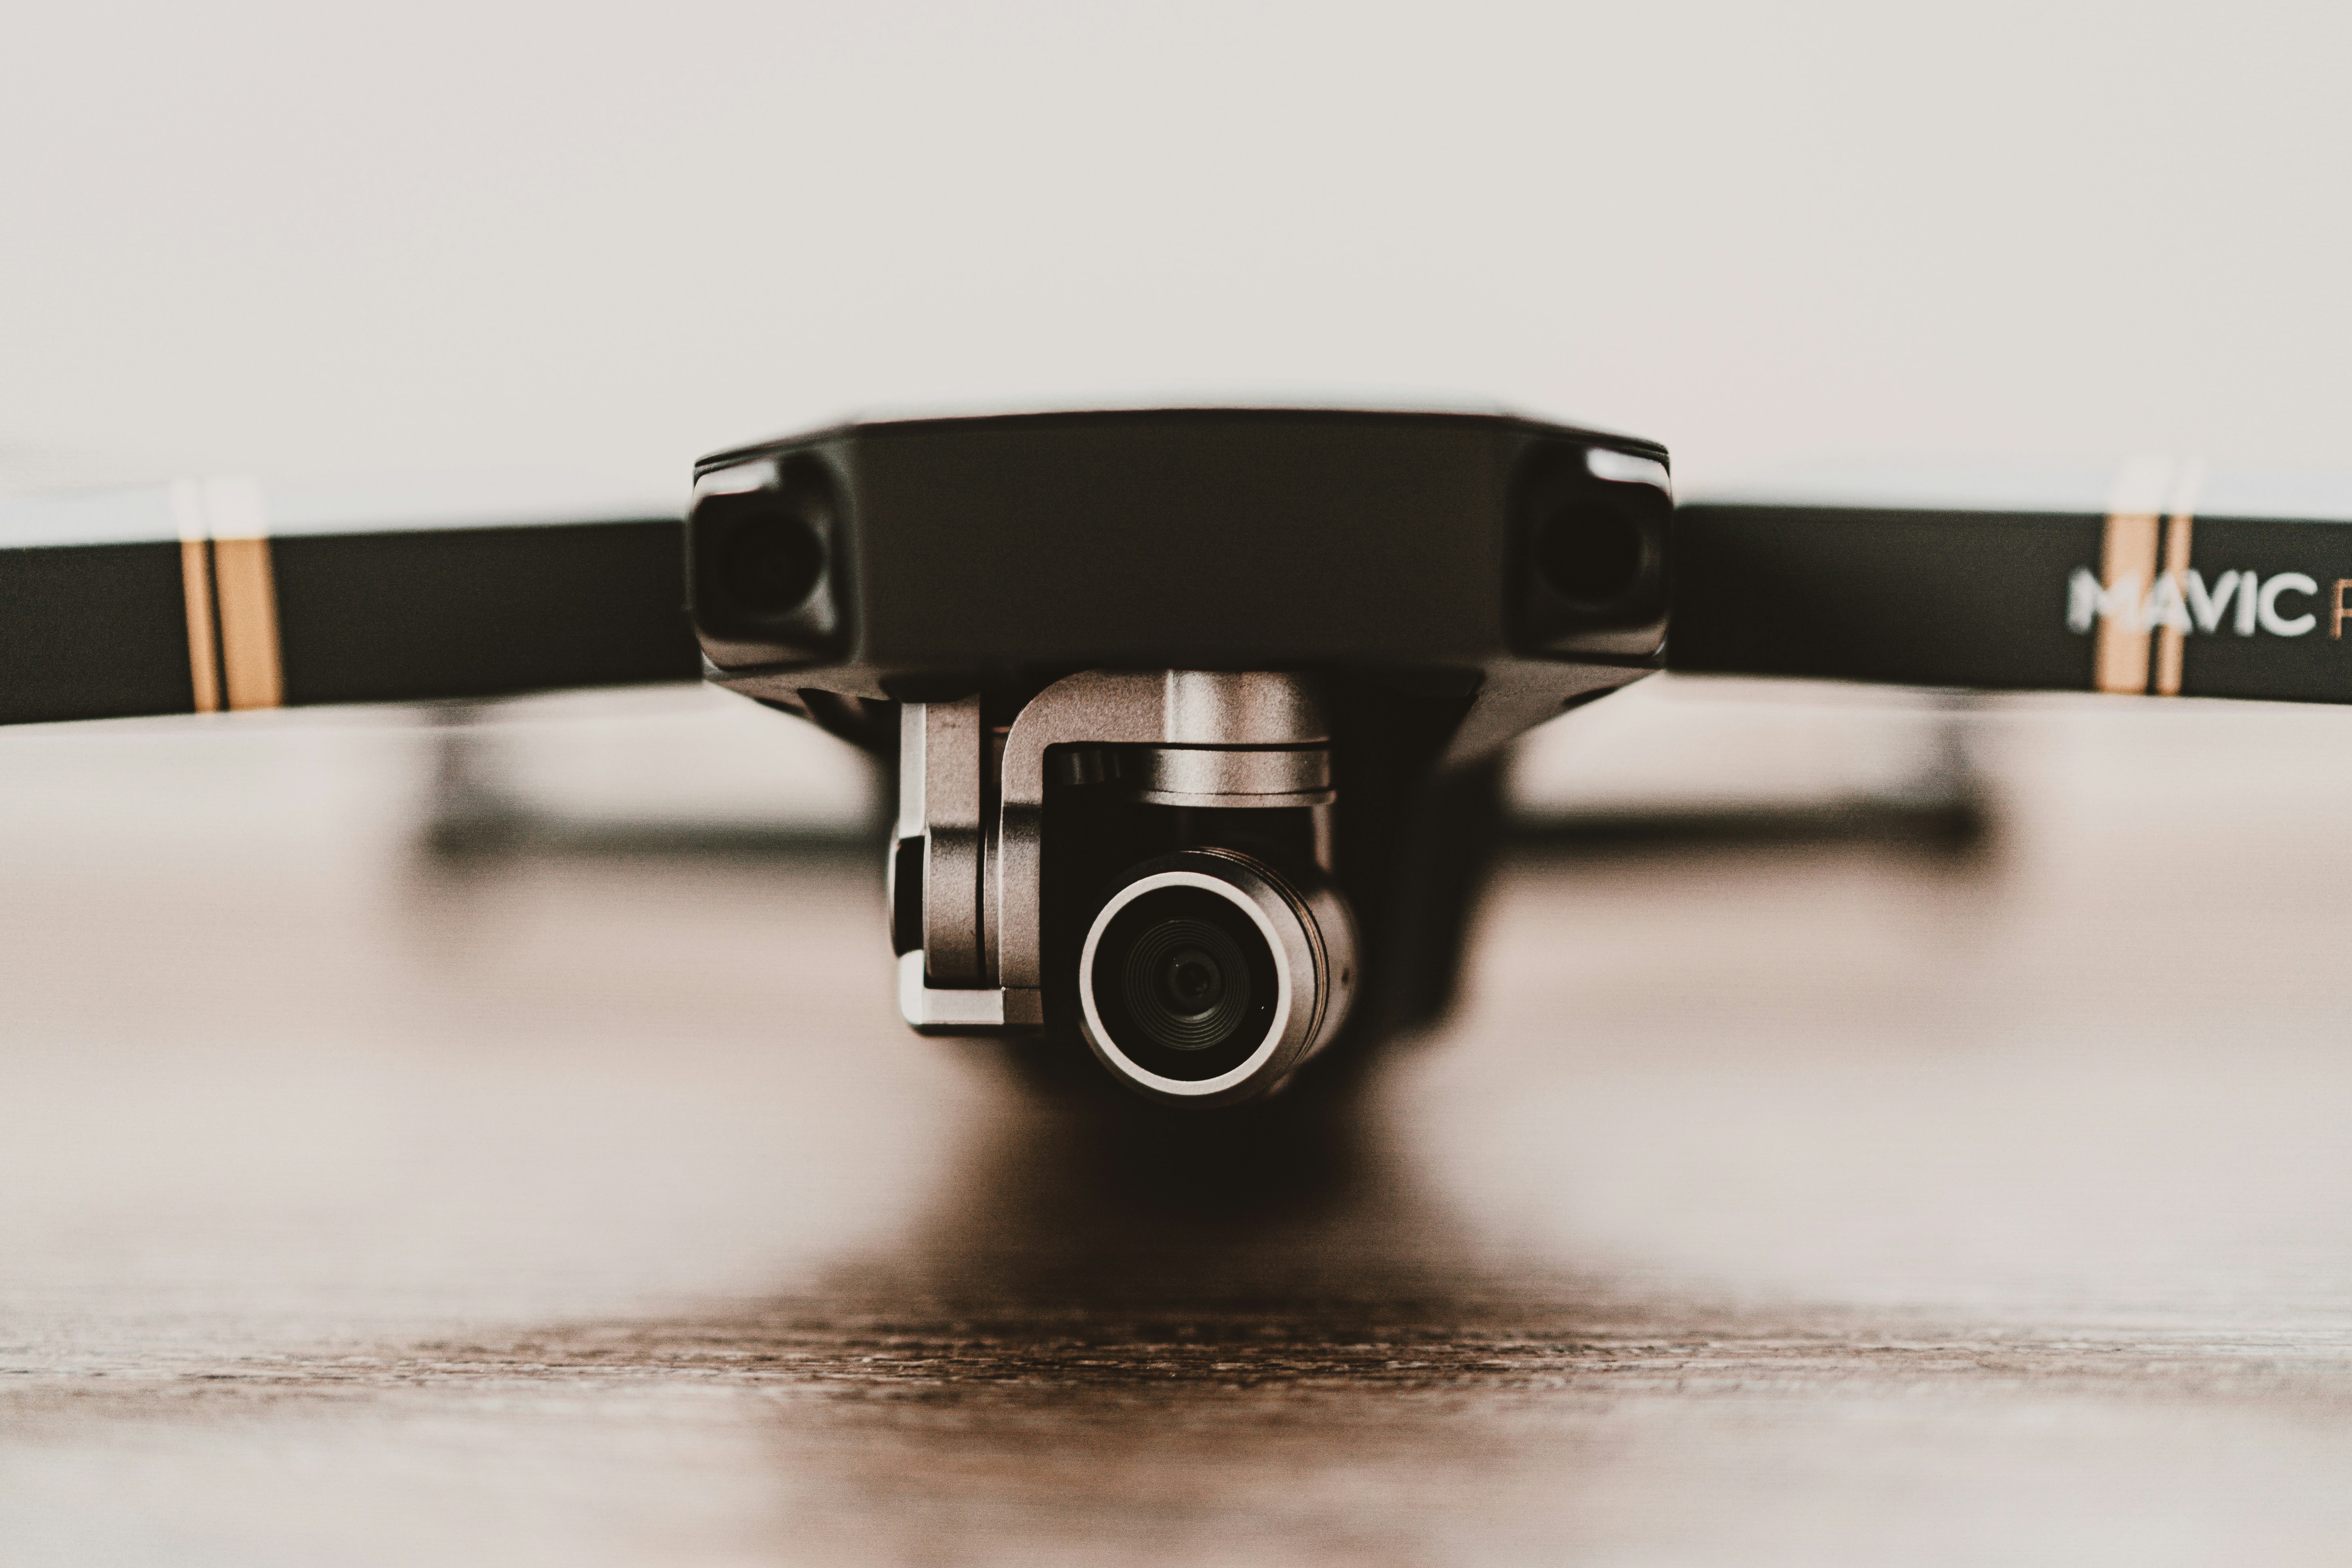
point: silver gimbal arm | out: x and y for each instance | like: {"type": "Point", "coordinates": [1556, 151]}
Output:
{"type": "Point", "coordinates": [971, 811]}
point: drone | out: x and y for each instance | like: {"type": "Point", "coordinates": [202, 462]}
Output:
{"type": "Point", "coordinates": [1196, 714]}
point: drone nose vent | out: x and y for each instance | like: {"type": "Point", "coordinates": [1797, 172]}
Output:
{"type": "Point", "coordinates": [763, 540]}
{"type": "Point", "coordinates": [1592, 528]}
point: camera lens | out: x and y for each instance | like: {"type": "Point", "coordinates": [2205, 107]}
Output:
{"type": "Point", "coordinates": [1194, 981]}
{"type": "Point", "coordinates": [1186, 984]}
{"type": "Point", "coordinates": [1209, 975]}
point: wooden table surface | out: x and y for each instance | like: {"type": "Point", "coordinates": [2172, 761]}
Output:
{"type": "Point", "coordinates": [1804, 1202]}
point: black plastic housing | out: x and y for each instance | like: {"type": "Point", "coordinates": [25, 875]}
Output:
{"type": "Point", "coordinates": [957, 550]}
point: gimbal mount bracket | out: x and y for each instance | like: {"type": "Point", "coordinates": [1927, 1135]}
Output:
{"type": "Point", "coordinates": [971, 812]}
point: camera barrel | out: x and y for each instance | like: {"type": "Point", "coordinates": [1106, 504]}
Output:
{"type": "Point", "coordinates": [1210, 974]}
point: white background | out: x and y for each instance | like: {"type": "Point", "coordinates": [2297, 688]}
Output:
{"type": "Point", "coordinates": [307, 239]}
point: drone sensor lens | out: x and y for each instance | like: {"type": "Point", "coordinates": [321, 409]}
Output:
{"type": "Point", "coordinates": [1594, 551]}
{"type": "Point", "coordinates": [772, 558]}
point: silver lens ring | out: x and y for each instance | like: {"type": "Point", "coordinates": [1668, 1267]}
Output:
{"type": "Point", "coordinates": [1296, 991]}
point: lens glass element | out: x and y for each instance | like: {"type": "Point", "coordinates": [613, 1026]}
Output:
{"type": "Point", "coordinates": [1184, 983]}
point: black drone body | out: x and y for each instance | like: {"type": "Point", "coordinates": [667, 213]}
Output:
{"type": "Point", "coordinates": [1193, 710]}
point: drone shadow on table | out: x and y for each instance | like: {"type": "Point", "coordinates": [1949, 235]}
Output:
{"type": "Point", "coordinates": [1114, 1326]}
